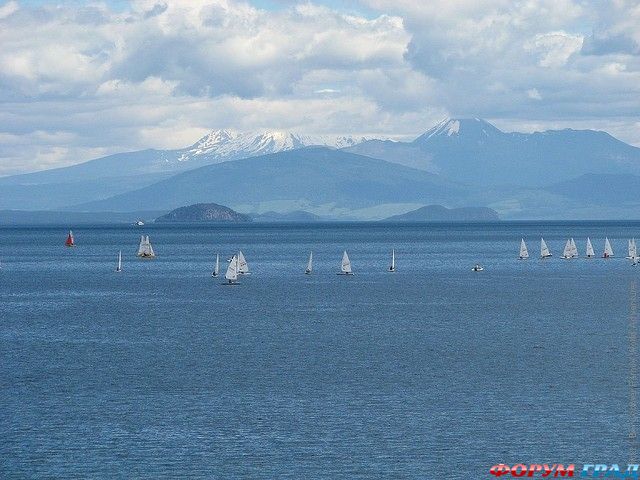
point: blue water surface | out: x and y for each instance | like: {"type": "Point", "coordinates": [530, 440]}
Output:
{"type": "Point", "coordinates": [431, 372]}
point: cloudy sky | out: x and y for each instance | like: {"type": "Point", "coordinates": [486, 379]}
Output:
{"type": "Point", "coordinates": [79, 79]}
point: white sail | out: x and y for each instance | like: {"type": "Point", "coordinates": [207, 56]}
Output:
{"type": "Point", "coordinates": [119, 267]}
{"type": "Point", "coordinates": [544, 250]}
{"type": "Point", "coordinates": [150, 248]}
{"type": "Point", "coordinates": [243, 266]}
{"type": "Point", "coordinates": [590, 252]}
{"type": "Point", "coordinates": [567, 250]}
{"type": "Point", "coordinates": [216, 269]}
{"type": "Point", "coordinates": [633, 252]}
{"type": "Point", "coordinates": [574, 249]}
{"type": "Point", "coordinates": [608, 251]}
{"type": "Point", "coordinates": [346, 263]}
{"type": "Point", "coordinates": [392, 267]}
{"type": "Point", "coordinates": [232, 270]}
{"type": "Point", "coordinates": [309, 264]}
{"type": "Point", "coordinates": [524, 253]}
{"type": "Point", "coordinates": [141, 247]}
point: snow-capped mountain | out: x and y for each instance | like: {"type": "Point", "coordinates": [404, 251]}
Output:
{"type": "Point", "coordinates": [467, 128]}
{"type": "Point", "coordinates": [225, 145]}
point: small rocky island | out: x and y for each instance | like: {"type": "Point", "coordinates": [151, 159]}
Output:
{"type": "Point", "coordinates": [203, 212]}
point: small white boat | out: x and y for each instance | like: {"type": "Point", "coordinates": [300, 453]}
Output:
{"type": "Point", "coordinates": [392, 267]}
{"type": "Point", "coordinates": [243, 266]}
{"type": "Point", "coordinates": [345, 267]}
{"type": "Point", "coordinates": [544, 250]}
{"type": "Point", "coordinates": [216, 269]}
{"type": "Point", "coordinates": [145, 250]}
{"type": "Point", "coordinates": [139, 223]}
{"type": "Point", "coordinates": [119, 267]}
{"type": "Point", "coordinates": [590, 252]}
{"type": "Point", "coordinates": [608, 251]}
{"type": "Point", "coordinates": [524, 253]}
{"type": "Point", "coordinates": [309, 268]}
{"type": "Point", "coordinates": [477, 268]}
{"type": "Point", "coordinates": [232, 272]}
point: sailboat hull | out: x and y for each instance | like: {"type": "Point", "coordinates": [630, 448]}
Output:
{"type": "Point", "coordinates": [345, 274]}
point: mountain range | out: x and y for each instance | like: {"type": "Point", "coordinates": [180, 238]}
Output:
{"type": "Point", "coordinates": [457, 163]}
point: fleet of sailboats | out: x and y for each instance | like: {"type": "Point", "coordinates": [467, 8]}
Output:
{"type": "Point", "coordinates": [238, 264]}
{"type": "Point", "coordinates": [345, 267]}
{"type": "Point", "coordinates": [145, 250]}
{"type": "Point", "coordinates": [571, 251]}
{"type": "Point", "coordinates": [524, 253]}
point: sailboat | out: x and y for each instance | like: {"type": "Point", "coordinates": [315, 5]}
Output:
{"type": "Point", "coordinates": [309, 268]}
{"type": "Point", "coordinates": [119, 267]}
{"type": "Point", "coordinates": [145, 250]}
{"type": "Point", "coordinates": [345, 267]}
{"type": "Point", "coordinates": [570, 249]}
{"type": "Point", "coordinates": [524, 253]}
{"type": "Point", "coordinates": [590, 252]}
{"type": "Point", "coordinates": [633, 252]}
{"type": "Point", "coordinates": [243, 266]}
{"type": "Point", "coordinates": [608, 251]}
{"type": "Point", "coordinates": [544, 250]}
{"type": "Point", "coordinates": [70, 242]}
{"type": "Point", "coordinates": [392, 267]}
{"type": "Point", "coordinates": [232, 272]}
{"type": "Point", "coordinates": [216, 269]}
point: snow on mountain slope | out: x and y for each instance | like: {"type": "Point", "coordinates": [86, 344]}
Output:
{"type": "Point", "coordinates": [223, 145]}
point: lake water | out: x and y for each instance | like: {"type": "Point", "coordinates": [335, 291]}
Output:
{"type": "Point", "coordinates": [432, 372]}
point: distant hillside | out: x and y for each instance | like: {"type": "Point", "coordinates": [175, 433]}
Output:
{"type": "Point", "coordinates": [203, 212]}
{"type": "Point", "coordinates": [603, 189]}
{"type": "Point", "coordinates": [295, 216]}
{"type": "Point", "coordinates": [322, 181]}
{"type": "Point", "coordinates": [475, 152]}
{"type": "Point", "coordinates": [440, 213]}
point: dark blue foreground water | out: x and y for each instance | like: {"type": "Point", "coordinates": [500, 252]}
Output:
{"type": "Point", "coordinates": [432, 372]}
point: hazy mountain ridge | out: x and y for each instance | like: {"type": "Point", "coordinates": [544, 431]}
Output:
{"type": "Point", "coordinates": [468, 162]}
{"type": "Point", "coordinates": [476, 152]}
{"type": "Point", "coordinates": [321, 181]}
{"type": "Point", "coordinates": [439, 213]}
